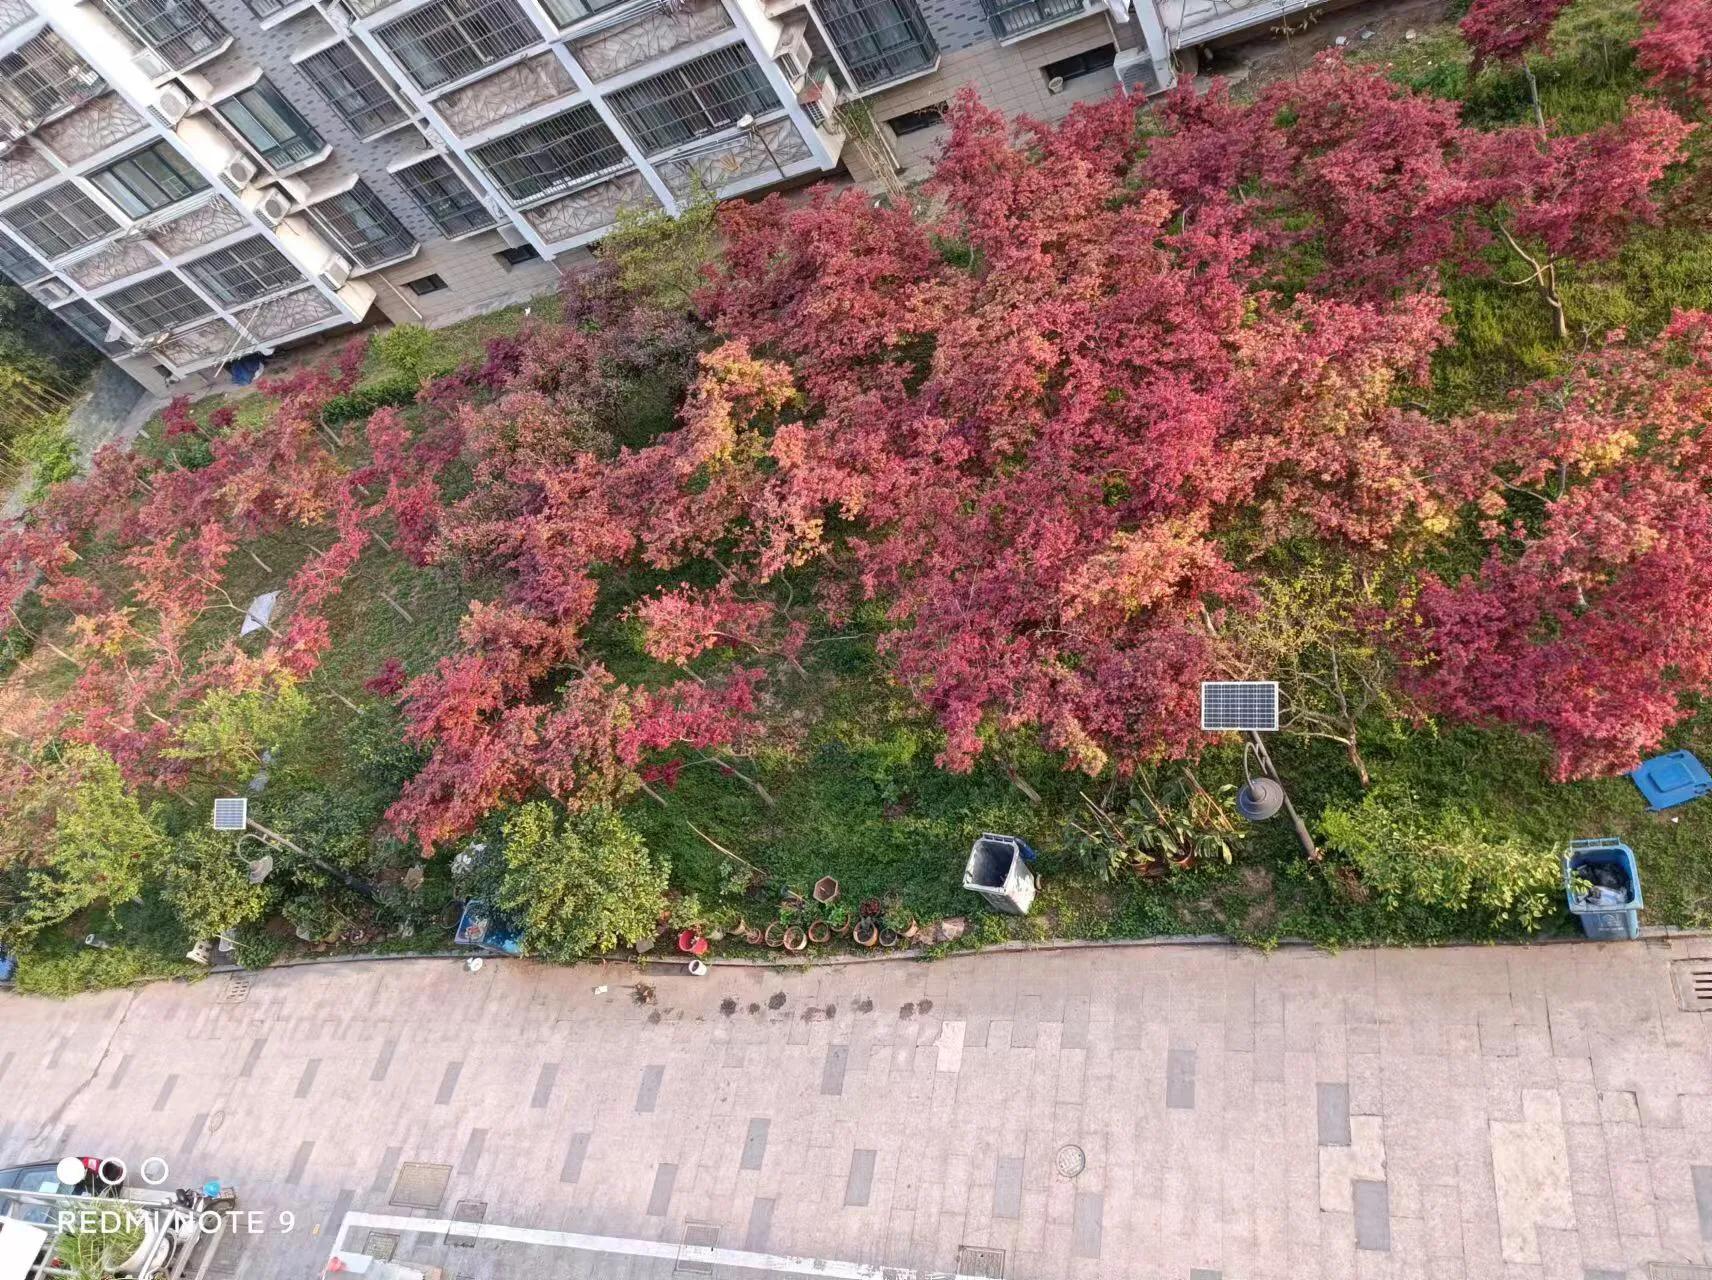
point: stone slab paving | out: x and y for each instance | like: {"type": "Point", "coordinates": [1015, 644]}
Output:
{"type": "Point", "coordinates": [1534, 1113]}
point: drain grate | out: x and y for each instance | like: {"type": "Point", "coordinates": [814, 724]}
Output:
{"type": "Point", "coordinates": [1070, 1161]}
{"type": "Point", "coordinates": [237, 989]}
{"type": "Point", "coordinates": [466, 1211]}
{"type": "Point", "coordinates": [381, 1245]}
{"type": "Point", "coordinates": [973, 1260]}
{"type": "Point", "coordinates": [1693, 982]}
{"type": "Point", "coordinates": [420, 1186]}
{"type": "Point", "coordinates": [697, 1235]}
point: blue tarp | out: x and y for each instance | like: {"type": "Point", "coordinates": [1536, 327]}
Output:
{"type": "Point", "coordinates": [480, 926]}
{"type": "Point", "coordinates": [244, 371]}
{"type": "Point", "coordinates": [1667, 781]}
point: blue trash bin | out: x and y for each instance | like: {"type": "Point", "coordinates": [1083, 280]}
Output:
{"type": "Point", "coordinates": [1599, 921]}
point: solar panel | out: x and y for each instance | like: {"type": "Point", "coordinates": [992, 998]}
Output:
{"type": "Point", "coordinates": [231, 814]}
{"type": "Point", "coordinates": [1239, 704]}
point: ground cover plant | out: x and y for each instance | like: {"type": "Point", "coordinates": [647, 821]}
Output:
{"type": "Point", "coordinates": [813, 539]}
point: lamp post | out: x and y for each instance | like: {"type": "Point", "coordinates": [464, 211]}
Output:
{"type": "Point", "coordinates": [746, 122]}
{"type": "Point", "coordinates": [232, 813]}
{"type": "Point", "coordinates": [1250, 707]}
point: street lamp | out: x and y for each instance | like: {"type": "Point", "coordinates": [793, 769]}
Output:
{"type": "Point", "coordinates": [232, 813]}
{"type": "Point", "coordinates": [746, 122]}
{"type": "Point", "coordinates": [1250, 707]}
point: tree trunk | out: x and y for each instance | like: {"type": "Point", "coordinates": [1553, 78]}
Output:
{"type": "Point", "coordinates": [1534, 96]}
{"type": "Point", "coordinates": [1548, 286]}
{"type": "Point", "coordinates": [1357, 762]}
{"type": "Point", "coordinates": [1021, 783]}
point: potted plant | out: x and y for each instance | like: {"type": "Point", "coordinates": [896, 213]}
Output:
{"type": "Point", "coordinates": [796, 938]}
{"type": "Point", "coordinates": [866, 933]}
{"type": "Point", "coordinates": [889, 937]}
{"type": "Point", "coordinates": [826, 890]}
{"type": "Point", "coordinates": [775, 935]}
{"type": "Point", "coordinates": [839, 917]}
{"type": "Point", "coordinates": [754, 937]}
{"type": "Point", "coordinates": [820, 932]}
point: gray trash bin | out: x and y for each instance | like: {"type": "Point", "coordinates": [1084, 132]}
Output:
{"type": "Point", "coordinates": [999, 871]}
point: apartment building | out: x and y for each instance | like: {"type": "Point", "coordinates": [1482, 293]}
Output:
{"type": "Point", "coordinates": [187, 181]}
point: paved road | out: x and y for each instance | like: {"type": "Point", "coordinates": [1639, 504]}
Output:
{"type": "Point", "coordinates": [1504, 1113]}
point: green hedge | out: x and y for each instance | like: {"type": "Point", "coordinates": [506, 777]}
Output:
{"type": "Point", "coordinates": [359, 402]}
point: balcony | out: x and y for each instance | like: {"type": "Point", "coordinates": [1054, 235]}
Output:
{"type": "Point", "coordinates": [623, 39]}
{"type": "Point", "coordinates": [180, 34]}
{"type": "Point", "coordinates": [41, 80]}
{"type": "Point", "coordinates": [1014, 19]}
{"type": "Point", "coordinates": [880, 41]}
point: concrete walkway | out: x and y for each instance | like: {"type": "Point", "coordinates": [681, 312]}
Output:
{"type": "Point", "coordinates": [1508, 1113]}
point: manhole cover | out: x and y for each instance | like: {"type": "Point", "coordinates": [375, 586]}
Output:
{"type": "Point", "coordinates": [421, 1186]}
{"type": "Point", "coordinates": [381, 1245]}
{"type": "Point", "coordinates": [1070, 1161]}
{"type": "Point", "coordinates": [973, 1260]}
{"type": "Point", "coordinates": [237, 989]}
{"type": "Point", "coordinates": [466, 1211]}
{"type": "Point", "coordinates": [1677, 1271]}
{"type": "Point", "coordinates": [697, 1235]}
{"type": "Point", "coordinates": [1693, 982]}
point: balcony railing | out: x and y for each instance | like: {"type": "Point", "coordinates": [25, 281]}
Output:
{"type": "Point", "coordinates": [1012, 18]}
{"type": "Point", "coordinates": [40, 79]}
{"type": "Point", "coordinates": [879, 40]}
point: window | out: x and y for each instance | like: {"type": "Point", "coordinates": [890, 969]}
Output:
{"type": "Point", "coordinates": [156, 305]}
{"type": "Point", "coordinates": [351, 89]}
{"type": "Point", "coordinates": [557, 153]}
{"type": "Point", "coordinates": [699, 97]}
{"type": "Point", "coordinates": [1010, 18]}
{"type": "Point", "coordinates": [18, 264]}
{"type": "Point", "coordinates": [58, 221]}
{"type": "Point", "coordinates": [917, 121]}
{"type": "Point", "coordinates": [42, 77]}
{"type": "Point", "coordinates": [425, 284]}
{"type": "Point", "coordinates": [88, 323]}
{"type": "Point", "coordinates": [568, 12]}
{"type": "Point", "coordinates": [518, 256]}
{"type": "Point", "coordinates": [265, 8]}
{"type": "Point", "coordinates": [879, 40]}
{"type": "Point", "coordinates": [269, 123]}
{"type": "Point", "coordinates": [147, 180]}
{"type": "Point", "coordinates": [362, 225]}
{"type": "Point", "coordinates": [450, 39]}
{"type": "Point", "coordinates": [444, 197]}
{"type": "Point", "coordinates": [244, 272]}
{"type": "Point", "coordinates": [181, 31]}
{"type": "Point", "coordinates": [1089, 62]}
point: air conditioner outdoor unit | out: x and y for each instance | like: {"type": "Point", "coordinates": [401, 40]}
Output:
{"type": "Point", "coordinates": [239, 172]}
{"type": "Point", "coordinates": [794, 54]}
{"type": "Point", "coordinates": [1137, 75]}
{"type": "Point", "coordinates": [172, 105]}
{"type": "Point", "coordinates": [273, 208]}
{"type": "Point", "coordinates": [511, 237]}
{"type": "Point", "coordinates": [150, 63]}
{"type": "Point", "coordinates": [335, 273]}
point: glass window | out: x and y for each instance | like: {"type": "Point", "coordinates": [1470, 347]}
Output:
{"type": "Point", "coordinates": [362, 225]}
{"type": "Point", "coordinates": [88, 323]}
{"type": "Point", "coordinates": [1090, 62]}
{"type": "Point", "coordinates": [18, 264]}
{"type": "Point", "coordinates": [147, 180]}
{"type": "Point", "coordinates": [156, 305]}
{"type": "Point", "coordinates": [181, 31]}
{"type": "Point", "coordinates": [245, 272]}
{"type": "Point", "coordinates": [425, 284]}
{"type": "Point", "coordinates": [699, 97]}
{"type": "Point", "coordinates": [444, 197]}
{"type": "Point", "coordinates": [553, 155]}
{"type": "Point", "coordinates": [270, 124]}
{"type": "Point", "coordinates": [568, 12]}
{"type": "Point", "coordinates": [451, 39]}
{"type": "Point", "coordinates": [58, 221]}
{"type": "Point", "coordinates": [43, 77]}
{"type": "Point", "coordinates": [351, 89]}
{"type": "Point", "coordinates": [879, 40]}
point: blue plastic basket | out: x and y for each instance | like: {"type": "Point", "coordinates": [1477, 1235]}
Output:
{"type": "Point", "coordinates": [1604, 922]}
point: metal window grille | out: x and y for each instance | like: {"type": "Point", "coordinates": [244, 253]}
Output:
{"type": "Point", "coordinates": [18, 264]}
{"type": "Point", "coordinates": [1016, 17]}
{"type": "Point", "coordinates": [147, 180]}
{"type": "Point", "coordinates": [43, 77]}
{"type": "Point", "coordinates": [450, 39]}
{"type": "Point", "coordinates": [351, 89]}
{"type": "Point", "coordinates": [156, 305]}
{"type": "Point", "coordinates": [879, 40]}
{"type": "Point", "coordinates": [264, 8]}
{"type": "Point", "coordinates": [179, 30]}
{"type": "Point", "coordinates": [552, 155]}
{"type": "Point", "coordinates": [88, 323]}
{"type": "Point", "coordinates": [363, 226]}
{"type": "Point", "coordinates": [694, 99]}
{"type": "Point", "coordinates": [58, 221]}
{"type": "Point", "coordinates": [444, 197]}
{"type": "Point", "coordinates": [569, 12]}
{"type": "Point", "coordinates": [245, 272]}
{"type": "Point", "coordinates": [269, 123]}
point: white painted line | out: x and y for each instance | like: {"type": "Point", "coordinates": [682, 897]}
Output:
{"type": "Point", "coordinates": [780, 1264]}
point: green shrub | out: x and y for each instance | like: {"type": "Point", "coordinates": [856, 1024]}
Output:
{"type": "Point", "coordinates": [206, 883]}
{"type": "Point", "coordinates": [1444, 860]}
{"type": "Point", "coordinates": [68, 970]}
{"type": "Point", "coordinates": [356, 404]}
{"type": "Point", "coordinates": [51, 453]}
{"type": "Point", "coordinates": [581, 887]}
{"type": "Point", "coordinates": [408, 351]}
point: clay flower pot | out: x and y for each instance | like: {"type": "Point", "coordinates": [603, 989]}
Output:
{"type": "Point", "coordinates": [795, 939]}
{"type": "Point", "coordinates": [819, 932]}
{"type": "Point", "coordinates": [842, 928]}
{"type": "Point", "coordinates": [866, 933]}
{"type": "Point", "coordinates": [775, 935]}
{"type": "Point", "coordinates": [826, 890]}
{"type": "Point", "coordinates": [692, 943]}
{"type": "Point", "coordinates": [913, 928]}
{"type": "Point", "coordinates": [889, 938]}
{"type": "Point", "coordinates": [753, 937]}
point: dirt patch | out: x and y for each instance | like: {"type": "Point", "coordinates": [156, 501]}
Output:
{"type": "Point", "coordinates": [776, 1000]}
{"type": "Point", "coordinates": [1260, 896]}
{"type": "Point", "coordinates": [728, 1006]}
{"type": "Point", "coordinates": [906, 1011]}
{"type": "Point", "coordinates": [864, 1005]}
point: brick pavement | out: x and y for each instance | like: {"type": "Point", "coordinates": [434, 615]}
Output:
{"type": "Point", "coordinates": [1515, 1113]}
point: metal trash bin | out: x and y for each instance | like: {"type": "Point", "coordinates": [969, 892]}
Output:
{"type": "Point", "coordinates": [1601, 920]}
{"type": "Point", "coordinates": [998, 870]}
